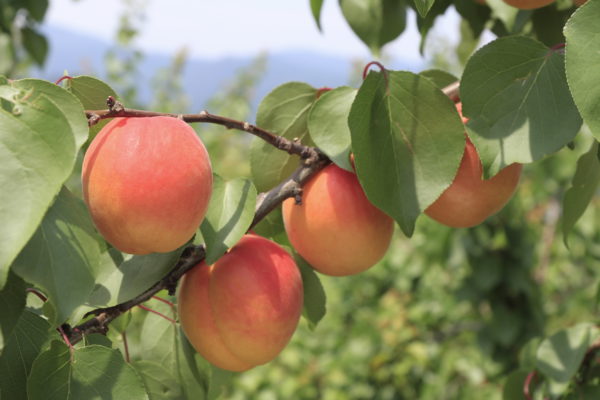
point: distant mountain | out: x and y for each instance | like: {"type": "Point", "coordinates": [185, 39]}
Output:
{"type": "Point", "coordinates": [81, 54]}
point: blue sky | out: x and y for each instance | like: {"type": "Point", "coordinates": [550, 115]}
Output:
{"type": "Point", "coordinates": [220, 28]}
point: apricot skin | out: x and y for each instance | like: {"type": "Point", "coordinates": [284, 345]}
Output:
{"type": "Point", "coordinates": [241, 311]}
{"type": "Point", "coordinates": [147, 183]}
{"type": "Point", "coordinates": [470, 199]}
{"type": "Point", "coordinates": [335, 228]}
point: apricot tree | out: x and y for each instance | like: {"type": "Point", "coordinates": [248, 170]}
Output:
{"type": "Point", "coordinates": [76, 259]}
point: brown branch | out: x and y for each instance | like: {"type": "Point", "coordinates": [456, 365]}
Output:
{"type": "Point", "coordinates": [116, 109]}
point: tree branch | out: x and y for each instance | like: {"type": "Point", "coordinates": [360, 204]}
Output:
{"type": "Point", "coordinates": [116, 109]}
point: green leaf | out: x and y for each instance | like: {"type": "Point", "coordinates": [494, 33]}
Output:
{"type": "Point", "coordinates": [548, 23]}
{"type": "Point", "coordinates": [272, 227]}
{"type": "Point", "coordinates": [315, 8]}
{"type": "Point", "coordinates": [37, 8]}
{"type": "Point", "coordinates": [425, 23]}
{"type": "Point", "coordinates": [314, 308]}
{"type": "Point", "coordinates": [476, 14]}
{"type": "Point", "coordinates": [439, 78]}
{"type": "Point", "coordinates": [408, 141]}
{"type": "Point", "coordinates": [192, 370]}
{"type": "Point", "coordinates": [423, 6]}
{"type": "Point", "coordinates": [120, 283]}
{"type": "Point", "coordinates": [12, 304]}
{"type": "Point", "coordinates": [582, 58]}
{"type": "Point", "coordinates": [229, 215]}
{"type": "Point", "coordinates": [376, 22]}
{"type": "Point", "coordinates": [328, 124]}
{"type": "Point", "coordinates": [513, 387]}
{"type": "Point", "coordinates": [515, 93]}
{"type": "Point", "coordinates": [35, 44]}
{"type": "Point", "coordinates": [160, 383]}
{"type": "Point", "coordinates": [284, 112]}
{"type": "Point", "coordinates": [43, 127]}
{"type": "Point", "coordinates": [93, 373]}
{"type": "Point", "coordinates": [560, 355]}
{"type": "Point", "coordinates": [92, 93]}
{"type": "Point", "coordinates": [6, 54]}
{"type": "Point", "coordinates": [22, 347]}
{"type": "Point", "coordinates": [582, 190]}
{"type": "Point", "coordinates": [159, 336]}
{"type": "Point", "coordinates": [62, 257]}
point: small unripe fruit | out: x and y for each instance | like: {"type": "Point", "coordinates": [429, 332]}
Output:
{"type": "Point", "coordinates": [470, 199]}
{"type": "Point", "coordinates": [335, 228]}
{"type": "Point", "coordinates": [147, 183]}
{"type": "Point", "coordinates": [242, 311]}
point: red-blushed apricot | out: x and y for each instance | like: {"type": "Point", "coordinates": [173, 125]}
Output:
{"type": "Point", "coordinates": [470, 199]}
{"type": "Point", "coordinates": [147, 183]}
{"type": "Point", "coordinates": [241, 311]}
{"type": "Point", "coordinates": [335, 228]}
{"type": "Point", "coordinates": [528, 4]}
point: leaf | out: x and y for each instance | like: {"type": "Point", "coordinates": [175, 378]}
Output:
{"type": "Point", "coordinates": [12, 304]}
{"type": "Point", "coordinates": [6, 53]}
{"type": "Point", "coordinates": [513, 387]}
{"type": "Point", "coordinates": [62, 258]}
{"type": "Point", "coordinates": [515, 93]}
{"type": "Point", "coordinates": [425, 23]}
{"type": "Point", "coordinates": [37, 8]}
{"type": "Point", "coordinates": [439, 78]}
{"type": "Point", "coordinates": [94, 372]}
{"type": "Point", "coordinates": [314, 308]}
{"type": "Point", "coordinates": [127, 280]}
{"type": "Point", "coordinates": [22, 347]}
{"type": "Point", "coordinates": [582, 58]}
{"type": "Point", "coordinates": [284, 112]}
{"type": "Point", "coordinates": [230, 213]}
{"type": "Point", "coordinates": [475, 13]}
{"type": "Point", "coordinates": [548, 24]}
{"type": "Point", "coordinates": [194, 378]}
{"type": "Point", "coordinates": [423, 6]}
{"type": "Point", "coordinates": [582, 190]}
{"type": "Point", "coordinates": [375, 22]}
{"type": "Point", "coordinates": [92, 93]}
{"type": "Point", "coordinates": [328, 124]}
{"type": "Point", "coordinates": [315, 8]}
{"type": "Point", "coordinates": [35, 44]}
{"type": "Point", "coordinates": [158, 380]}
{"type": "Point", "coordinates": [43, 127]}
{"type": "Point", "coordinates": [271, 227]}
{"type": "Point", "coordinates": [408, 141]}
{"type": "Point", "coordinates": [159, 336]}
{"type": "Point", "coordinates": [560, 355]}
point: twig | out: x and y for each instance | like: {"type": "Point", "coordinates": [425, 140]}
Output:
{"type": "Point", "coordinates": [116, 109]}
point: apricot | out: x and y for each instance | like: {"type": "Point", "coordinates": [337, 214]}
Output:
{"type": "Point", "coordinates": [147, 183]}
{"type": "Point", "coordinates": [528, 4]}
{"type": "Point", "coordinates": [335, 228]}
{"type": "Point", "coordinates": [470, 199]}
{"type": "Point", "coordinates": [241, 311]}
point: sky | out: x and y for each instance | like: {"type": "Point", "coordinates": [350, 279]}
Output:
{"type": "Point", "coordinates": [213, 29]}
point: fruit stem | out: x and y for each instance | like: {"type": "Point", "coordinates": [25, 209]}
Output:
{"type": "Point", "coordinates": [62, 78]}
{"type": "Point", "coordinates": [37, 293]}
